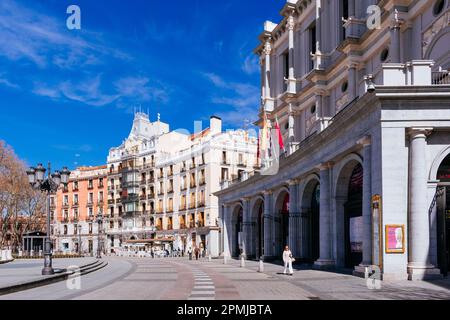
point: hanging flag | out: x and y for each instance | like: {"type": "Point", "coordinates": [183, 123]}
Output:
{"type": "Point", "coordinates": [258, 153]}
{"type": "Point", "coordinates": [280, 136]}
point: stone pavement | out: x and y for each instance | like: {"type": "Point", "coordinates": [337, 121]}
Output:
{"type": "Point", "coordinates": [307, 284]}
{"type": "Point", "coordinates": [20, 271]}
{"type": "Point", "coordinates": [181, 279]}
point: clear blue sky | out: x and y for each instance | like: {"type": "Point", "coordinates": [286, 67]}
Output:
{"type": "Point", "coordinates": [68, 95]}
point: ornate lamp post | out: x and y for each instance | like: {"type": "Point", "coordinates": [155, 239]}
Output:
{"type": "Point", "coordinates": [99, 244]}
{"type": "Point", "coordinates": [49, 185]}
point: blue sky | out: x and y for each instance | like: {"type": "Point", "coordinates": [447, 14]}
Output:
{"type": "Point", "coordinates": [68, 95]}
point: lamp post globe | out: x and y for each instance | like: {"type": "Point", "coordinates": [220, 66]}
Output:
{"type": "Point", "coordinates": [49, 185]}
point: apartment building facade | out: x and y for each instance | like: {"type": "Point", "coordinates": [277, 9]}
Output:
{"type": "Point", "coordinates": [365, 113]}
{"type": "Point", "coordinates": [75, 210]}
{"type": "Point", "coordinates": [161, 184]}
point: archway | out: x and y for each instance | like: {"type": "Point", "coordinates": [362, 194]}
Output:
{"type": "Point", "coordinates": [311, 220]}
{"type": "Point", "coordinates": [281, 222]}
{"type": "Point", "coordinates": [349, 193]}
{"type": "Point", "coordinates": [257, 245]}
{"type": "Point", "coordinates": [237, 234]}
{"type": "Point", "coordinates": [443, 215]}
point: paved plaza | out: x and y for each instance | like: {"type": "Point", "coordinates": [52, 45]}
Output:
{"type": "Point", "coordinates": [181, 279]}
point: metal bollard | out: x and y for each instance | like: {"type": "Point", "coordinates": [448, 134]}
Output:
{"type": "Point", "coordinates": [209, 258]}
{"type": "Point", "coordinates": [242, 261]}
{"type": "Point", "coordinates": [225, 259]}
{"type": "Point", "coordinates": [261, 265]}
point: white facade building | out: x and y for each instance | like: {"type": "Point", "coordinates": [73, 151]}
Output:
{"type": "Point", "coordinates": [367, 119]}
{"type": "Point", "coordinates": [161, 185]}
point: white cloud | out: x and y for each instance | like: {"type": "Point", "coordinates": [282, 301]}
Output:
{"type": "Point", "coordinates": [251, 65]}
{"type": "Point", "coordinates": [29, 36]}
{"type": "Point", "coordinates": [242, 98]}
{"type": "Point", "coordinates": [4, 81]}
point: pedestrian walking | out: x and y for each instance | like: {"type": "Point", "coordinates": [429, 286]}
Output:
{"type": "Point", "coordinates": [190, 253]}
{"type": "Point", "coordinates": [288, 259]}
{"type": "Point", "coordinates": [197, 252]}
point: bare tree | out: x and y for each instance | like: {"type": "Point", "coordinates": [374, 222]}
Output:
{"type": "Point", "coordinates": [20, 205]}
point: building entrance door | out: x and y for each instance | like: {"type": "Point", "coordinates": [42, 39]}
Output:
{"type": "Point", "coordinates": [353, 220]}
{"type": "Point", "coordinates": [443, 228]}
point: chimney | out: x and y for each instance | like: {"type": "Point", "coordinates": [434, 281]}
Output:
{"type": "Point", "coordinates": [215, 124]}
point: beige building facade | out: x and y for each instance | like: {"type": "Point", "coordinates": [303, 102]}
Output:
{"type": "Point", "coordinates": [161, 185]}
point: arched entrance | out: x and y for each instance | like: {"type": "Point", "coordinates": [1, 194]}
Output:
{"type": "Point", "coordinates": [258, 219]}
{"type": "Point", "coordinates": [353, 220]}
{"type": "Point", "coordinates": [349, 195]}
{"type": "Point", "coordinates": [281, 223]}
{"type": "Point", "coordinates": [443, 216]}
{"type": "Point", "coordinates": [237, 226]}
{"type": "Point", "coordinates": [311, 222]}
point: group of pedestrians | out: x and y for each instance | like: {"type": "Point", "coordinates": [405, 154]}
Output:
{"type": "Point", "coordinates": [197, 252]}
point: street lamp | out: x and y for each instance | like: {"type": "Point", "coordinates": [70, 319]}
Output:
{"type": "Point", "coordinates": [99, 245]}
{"type": "Point", "coordinates": [49, 185]}
{"type": "Point", "coordinates": [79, 240]}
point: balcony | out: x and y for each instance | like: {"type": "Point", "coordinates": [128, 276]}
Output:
{"type": "Point", "coordinates": [440, 77]}
{"type": "Point", "coordinates": [118, 200]}
{"type": "Point", "coordinates": [201, 204]}
{"type": "Point", "coordinates": [90, 203]}
{"type": "Point", "coordinates": [182, 208]}
{"type": "Point", "coordinates": [183, 188]}
{"type": "Point", "coordinates": [170, 210]}
{"type": "Point", "coordinates": [242, 164]}
{"type": "Point", "coordinates": [225, 162]}
{"type": "Point", "coordinates": [202, 182]}
{"type": "Point", "coordinates": [151, 196]}
{"type": "Point", "coordinates": [143, 197]}
{"type": "Point", "coordinates": [192, 166]}
{"type": "Point", "coordinates": [75, 204]}
{"type": "Point", "coordinates": [101, 185]}
{"type": "Point", "coordinates": [65, 205]}
{"type": "Point", "coordinates": [183, 169]}
{"type": "Point", "coordinates": [90, 187]}
{"type": "Point", "coordinates": [170, 190]}
{"type": "Point", "coordinates": [192, 206]}
{"type": "Point", "coordinates": [111, 201]}
{"type": "Point", "coordinates": [193, 185]}
{"type": "Point", "coordinates": [169, 227]}
{"type": "Point", "coordinates": [182, 226]}
{"type": "Point", "coordinates": [192, 225]}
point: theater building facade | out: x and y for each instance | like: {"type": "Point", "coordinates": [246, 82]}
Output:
{"type": "Point", "coordinates": [365, 180]}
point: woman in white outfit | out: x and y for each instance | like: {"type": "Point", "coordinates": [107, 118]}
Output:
{"type": "Point", "coordinates": [287, 259]}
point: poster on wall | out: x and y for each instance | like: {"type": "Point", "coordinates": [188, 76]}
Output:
{"type": "Point", "coordinates": [395, 239]}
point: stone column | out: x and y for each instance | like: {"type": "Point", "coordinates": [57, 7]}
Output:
{"type": "Point", "coordinates": [268, 224]}
{"type": "Point", "coordinates": [395, 39]}
{"type": "Point", "coordinates": [419, 266]}
{"type": "Point", "coordinates": [226, 226]}
{"type": "Point", "coordinates": [318, 54]}
{"type": "Point", "coordinates": [268, 101]}
{"type": "Point", "coordinates": [294, 218]}
{"type": "Point", "coordinates": [246, 226]}
{"type": "Point", "coordinates": [291, 82]}
{"type": "Point", "coordinates": [353, 80]}
{"type": "Point", "coordinates": [366, 142]}
{"type": "Point", "coordinates": [291, 129]}
{"type": "Point", "coordinates": [326, 258]}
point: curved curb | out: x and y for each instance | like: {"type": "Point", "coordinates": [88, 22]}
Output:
{"type": "Point", "coordinates": [58, 277]}
{"type": "Point", "coordinates": [7, 261]}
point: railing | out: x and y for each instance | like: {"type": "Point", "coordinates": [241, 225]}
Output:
{"type": "Point", "coordinates": [192, 206]}
{"type": "Point", "coordinates": [440, 77]}
{"type": "Point", "coordinates": [110, 201]}
{"type": "Point", "coordinates": [202, 182]}
{"type": "Point", "coordinates": [170, 191]}
{"type": "Point", "coordinates": [182, 226]}
{"type": "Point", "coordinates": [182, 208]}
{"type": "Point", "coordinates": [201, 204]}
{"type": "Point", "coordinates": [151, 196]}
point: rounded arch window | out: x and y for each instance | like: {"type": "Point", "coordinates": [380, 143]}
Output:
{"type": "Point", "coordinates": [438, 7]}
{"type": "Point", "coordinates": [344, 87]}
{"type": "Point", "coordinates": [444, 170]}
{"type": "Point", "coordinates": [384, 55]}
{"type": "Point", "coordinates": [313, 109]}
